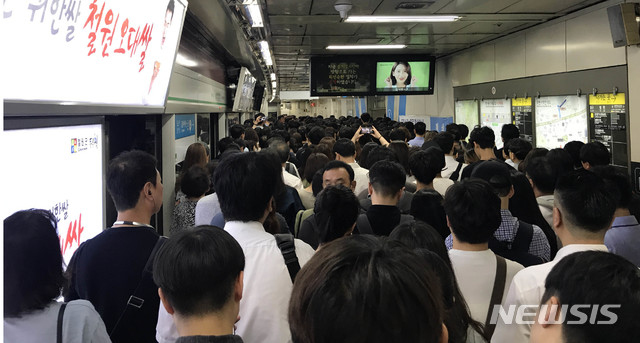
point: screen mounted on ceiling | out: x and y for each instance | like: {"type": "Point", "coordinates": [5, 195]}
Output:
{"type": "Point", "coordinates": [340, 75]}
{"type": "Point", "coordinates": [404, 75]}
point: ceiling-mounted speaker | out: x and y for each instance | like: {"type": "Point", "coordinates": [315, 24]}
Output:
{"type": "Point", "coordinates": [624, 20]}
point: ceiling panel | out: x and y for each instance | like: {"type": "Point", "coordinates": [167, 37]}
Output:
{"type": "Point", "coordinates": [490, 28]}
{"type": "Point", "coordinates": [286, 40]}
{"type": "Point", "coordinates": [475, 6]}
{"type": "Point", "coordinates": [360, 7]}
{"type": "Point", "coordinates": [297, 7]}
{"type": "Point", "coordinates": [437, 28]}
{"type": "Point", "coordinates": [547, 6]}
{"type": "Point", "coordinates": [287, 30]}
{"type": "Point", "coordinates": [335, 29]}
{"type": "Point", "coordinates": [462, 39]}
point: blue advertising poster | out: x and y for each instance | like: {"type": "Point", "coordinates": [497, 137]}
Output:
{"type": "Point", "coordinates": [390, 106]}
{"type": "Point", "coordinates": [440, 123]}
{"type": "Point", "coordinates": [402, 106]}
{"type": "Point", "coordinates": [185, 125]}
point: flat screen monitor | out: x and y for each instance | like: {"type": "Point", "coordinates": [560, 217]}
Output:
{"type": "Point", "coordinates": [243, 101]}
{"type": "Point", "coordinates": [561, 119]}
{"type": "Point", "coordinates": [341, 75]}
{"type": "Point", "coordinates": [404, 75]}
{"type": "Point", "coordinates": [115, 53]}
{"type": "Point", "coordinates": [58, 169]}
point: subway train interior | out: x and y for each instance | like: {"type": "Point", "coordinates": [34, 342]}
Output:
{"type": "Point", "coordinates": [86, 80]}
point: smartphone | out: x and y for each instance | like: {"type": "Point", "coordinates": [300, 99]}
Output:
{"type": "Point", "coordinates": [366, 129]}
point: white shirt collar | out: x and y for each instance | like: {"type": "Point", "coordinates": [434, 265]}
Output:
{"type": "Point", "coordinates": [572, 248]}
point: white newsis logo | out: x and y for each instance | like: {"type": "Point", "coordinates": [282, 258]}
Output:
{"type": "Point", "coordinates": [581, 314]}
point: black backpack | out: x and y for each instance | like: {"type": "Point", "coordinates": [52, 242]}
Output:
{"type": "Point", "coordinates": [519, 250]}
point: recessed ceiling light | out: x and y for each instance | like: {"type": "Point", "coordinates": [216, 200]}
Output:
{"type": "Point", "coordinates": [365, 47]}
{"type": "Point", "coordinates": [401, 19]}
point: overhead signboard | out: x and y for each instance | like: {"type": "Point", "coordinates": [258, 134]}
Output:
{"type": "Point", "coordinates": [522, 110]}
{"type": "Point", "coordinates": [560, 119]}
{"type": "Point", "coordinates": [494, 113]}
{"type": "Point", "coordinates": [99, 52]}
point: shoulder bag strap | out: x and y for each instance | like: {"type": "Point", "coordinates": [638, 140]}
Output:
{"type": "Point", "coordinates": [287, 246]}
{"type": "Point", "coordinates": [60, 318]}
{"type": "Point", "coordinates": [364, 227]}
{"type": "Point", "coordinates": [456, 174]}
{"type": "Point", "coordinates": [147, 271]}
{"type": "Point", "coordinates": [523, 238]}
{"type": "Point", "coordinates": [496, 294]}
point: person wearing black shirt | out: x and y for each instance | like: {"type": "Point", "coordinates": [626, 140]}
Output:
{"type": "Point", "coordinates": [107, 270]}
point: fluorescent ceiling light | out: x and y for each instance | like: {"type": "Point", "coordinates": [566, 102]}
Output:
{"type": "Point", "coordinates": [365, 47]}
{"type": "Point", "coordinates": [273, 84]}
{"type": "Point", "coordinates": [273, 76]}
{"type": "Point", "coordinates": [185, 61]}
{"type": "Point", "coordinates": [255, 15]}
{"type": "Point", "coordinates": [401, 19]}
{"type": "Point", "coordinates": [266, 53]}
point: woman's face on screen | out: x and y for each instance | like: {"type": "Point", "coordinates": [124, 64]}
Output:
{"type": "Point", "coordinates": [400, 73]}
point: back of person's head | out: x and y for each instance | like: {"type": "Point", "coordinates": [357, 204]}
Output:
{"type": "Point", "coordinates": [402, 152]}
{"type": "Point", "coordinates": [617, 182]}
{"type": "Point", "coordinates": [560, 161]}
{"type": "Point", "coordinates": [316, 183]}
{"type": "Point", "coordinates": [426, 164]}
{"type": "Point", "coordinates": [453, 129]}
{"type": "Point", "coordinates": [280, 148]}
{"type": "Point", "coordinates": [236, 131]}
{"type": "Point", "coordinates": [315, 135]}
{"type": "Point", "coordinates": [251, 135]}
{"type": "Point", "coordinates": [573, 148]}
{"type": "Point", "coordinates": [196, 154]}
{"type": "Point", "coordinates": [387, 178]}
{"type": "Point", "coordinates": [420, 128]}
{"type": "Point", "coordinates": [223, 144]}
{"type": "Point", "coordinates": [420, 235]}
{"type": "Point", "coordinates": [473, 210]}
{"type": "Point", "coordinates": [364, 154]}
{"type": "Point", "coordinates": [33, 276]}
{"type": "Point", "coordinates": [344, 147]}
{"type": "Point", "coordinates": [383, 289]}
{"type": "Point", "coordinates": [127, 175]}
{"type": "Point", "coordinates": [336, 211]}
{"type": "Point", "coordinates": [464, 131]}
{"type": "Point", "coordinates": [314, 163]}
{"type": "Point", "coordinates": [324, 149]}
{"type": "Point", "coordinates": [519, 147]}
{"type": "Point", "coordinates": [245, 184]}
{"type": "Point", "coordinates": [198, 270]}
{"type": "Point", "coordinates": [444, 141]}
{"type": "Point", "coordinates": [497, 174]}
{"type": "Point", "coordinates": [381, 153]}
{"type": "Point", "coordinates": [584, 202]}
{"type": "Point", "coordinates": [595, 154]}
{"type": "Point", "coordinates": [195, 182]}
{"type": "Point", "coordinates": [328, 141]}
{"type": "Point", "coordinates": [331, 165]}
{"type": "Point", "coordinates": [523, 204]}
{"type": "Point", "coordinates": [608, 283]}
{"type": "Point", "coordinates": [365, 117]}
{"type": "Point", "coordinates": [397, 135]}
{"type": "Point", "coordinates": [535, 152]}
{"type": "Point", "coordinates": [484, 137]}
{"type": "Point", "coordinates": [470, 157]}
{"type": "Point", "coordinates": [426, 206]}
{"type": "Point", "coordinates": [541, 174]}
{"type": "Point", "coordinates": [509, 132]}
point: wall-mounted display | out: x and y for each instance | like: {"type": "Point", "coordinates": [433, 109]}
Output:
{"type": "Point", "coordinates": [494, 113]}
{"type": "Point", "coordinates": [243, 100]}
{"type": "Point", "coordinates": [467, 113]}
{"type": "Point", "coordinates": [405, 75]}
{"type": "Point", "coordinates": [608, 121]}
{"type": "Point", "coordinates": [560, 119]}
{"type": "Point", "coordinates": [68, 180]}
{"type": "Point", "coordinates": [340, 75]}
{"type": "Point", "coordinates": [522, 111]}
{"type": "Point", "coordinates": [99, 52]}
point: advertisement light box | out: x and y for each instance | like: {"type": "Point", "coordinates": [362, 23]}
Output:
{"type": "Point", "coordinates": [58, 169]}
{"type": "Point", "coordinates": [107, 52]}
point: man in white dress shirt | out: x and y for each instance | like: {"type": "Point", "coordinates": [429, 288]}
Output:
{"type": "Point", "coordinates": [345, 151]}
{"type": "Point", "coordinates": [445, 141]}
{"type": "Point", "coordinates": [246, 184]}
{"type": "Point", "coordinates": [582, 215]}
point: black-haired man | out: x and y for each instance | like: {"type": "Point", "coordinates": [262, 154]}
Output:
{"type": "Point", "coordinates": [624, 236]}
{"type": "Point", "coordinates": [426, 166]}
{"type": "Point", "coordinates": [590, 297]}
{"type": "Point", "coordinates": [483, 140]}
{"type": "Point", "coordinates": [594, 154]}
{"type": "Point", "coordinates": [582, 215]}
{"type": "Point", "coordinates": [246, 185]}
{"type": "Point", "coordinates": [108, 269]}
{"type": "Point", "coordinates": [507, 133]}
{"type": "Point", "coordinates": [345, 151]}
{"type": "Point", "coordinates": [446, 142]}
{"type": "Point", "coordinates": [473, 224]}
{"type": "Point", "coordinates": [199, 273]}
{"type": "Point", "coordinates": [420, 130]}
{"type": "Point", "coordinates": [386, 186]}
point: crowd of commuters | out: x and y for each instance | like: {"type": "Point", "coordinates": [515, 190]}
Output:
{"type": "Point", "coordinates": [343, 230]}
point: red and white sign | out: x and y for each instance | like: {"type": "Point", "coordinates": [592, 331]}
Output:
{"type": "Point", "coordinates": [115, 52]}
